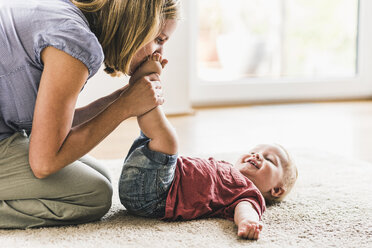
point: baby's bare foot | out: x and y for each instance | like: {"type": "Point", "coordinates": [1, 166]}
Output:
{"type": "Point", "coordinates": [154, 64]}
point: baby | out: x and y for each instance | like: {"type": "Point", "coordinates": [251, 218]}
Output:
{"type": "Point", "coordinates": [156, 182]}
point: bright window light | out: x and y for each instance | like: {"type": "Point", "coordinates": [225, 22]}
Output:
{"type": "Point", "coordinates": [277, 39]}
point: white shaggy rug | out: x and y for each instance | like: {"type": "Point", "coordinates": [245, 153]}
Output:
{"type": "Point", "coordinates": [331, 206]}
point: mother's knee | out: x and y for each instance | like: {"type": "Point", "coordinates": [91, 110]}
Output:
{"type": "Point", "coordinates": [98, 197]}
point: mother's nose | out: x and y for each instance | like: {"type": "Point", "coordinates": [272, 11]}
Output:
{"type": "Point", "coordinates": [159, 49]}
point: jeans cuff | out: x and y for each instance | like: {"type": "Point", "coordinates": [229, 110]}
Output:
{"type": "Point", "coordinates": [159, 157]}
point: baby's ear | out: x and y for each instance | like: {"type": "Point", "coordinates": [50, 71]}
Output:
{"type": "Point", "coordinates": [277, 191]}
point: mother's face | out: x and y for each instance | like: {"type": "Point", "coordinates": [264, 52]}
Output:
{"type": "Point", "coordinates": [154, 46]}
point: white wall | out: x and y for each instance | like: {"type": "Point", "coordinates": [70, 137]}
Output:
{"type": "Point", "coordinates": [175, 77]}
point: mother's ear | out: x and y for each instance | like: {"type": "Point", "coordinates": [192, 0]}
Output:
{"type": "Point", "coordinates": [277, 192]}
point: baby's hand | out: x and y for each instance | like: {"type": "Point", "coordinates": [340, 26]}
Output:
{"type": "Point", "coordinates": [154, 64]}
{"type": "Point", "coordinates": [249, 229]}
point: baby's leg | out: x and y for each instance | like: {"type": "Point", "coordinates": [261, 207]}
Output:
{"type": "Point", "coordinates": [145, 179]}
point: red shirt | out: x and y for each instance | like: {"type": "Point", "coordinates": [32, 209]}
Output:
{"type": "Point", "coordinates": [209, 188]}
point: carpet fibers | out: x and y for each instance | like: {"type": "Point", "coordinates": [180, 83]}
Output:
{"type": "Point", "coordinates": [331, 206]}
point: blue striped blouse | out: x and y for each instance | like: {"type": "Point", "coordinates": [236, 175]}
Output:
{"type": "Point", "coordinates": [26, 28]}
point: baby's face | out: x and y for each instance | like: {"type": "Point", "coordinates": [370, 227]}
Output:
{"type": "Point", "coordinates": [263, 165]}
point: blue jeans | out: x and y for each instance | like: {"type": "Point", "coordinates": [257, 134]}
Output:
{"type": "Point", "coordinates": [145, 179]}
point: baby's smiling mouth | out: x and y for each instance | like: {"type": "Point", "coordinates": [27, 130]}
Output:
{"type": "Point", "coordinates": [252, 162]}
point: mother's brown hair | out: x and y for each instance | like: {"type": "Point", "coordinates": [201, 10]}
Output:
{"type": "Point", "coordinates": [125, 26]}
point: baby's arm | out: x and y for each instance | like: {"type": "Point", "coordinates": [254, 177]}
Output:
{"type": "Point", "coordinates": [154, 123]}
{"type": "Point", "coordinates": [247, 220]}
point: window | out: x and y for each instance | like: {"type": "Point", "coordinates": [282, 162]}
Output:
{"type": "Point", "coordinates": [259, 50]}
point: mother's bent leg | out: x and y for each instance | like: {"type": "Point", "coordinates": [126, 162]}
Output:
{"type": "Point", "coordinates": [76, 194]}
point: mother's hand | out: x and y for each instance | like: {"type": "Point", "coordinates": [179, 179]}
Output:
{"type": "Point", "coordinates": [143, 95]}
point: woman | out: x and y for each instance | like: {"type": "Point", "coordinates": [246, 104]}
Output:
{"type": "Point", "coordinates": [48, 50]}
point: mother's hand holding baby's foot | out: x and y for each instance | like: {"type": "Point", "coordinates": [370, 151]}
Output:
{"type": "Point", "coordinates": [153, 65]}
{"type": "Point", "coordinates": [148, 73]}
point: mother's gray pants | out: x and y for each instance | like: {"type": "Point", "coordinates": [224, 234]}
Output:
{"type": "Point", "coordinates": [81, 192]}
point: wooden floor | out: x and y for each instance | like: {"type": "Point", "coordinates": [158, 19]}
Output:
{"type": "Point", "coordinates": [344, 128]}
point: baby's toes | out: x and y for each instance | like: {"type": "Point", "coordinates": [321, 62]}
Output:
{"type": "Point", "coordinates": [156, 57]}
{"type": "Point", "coordinates": [164, 62]}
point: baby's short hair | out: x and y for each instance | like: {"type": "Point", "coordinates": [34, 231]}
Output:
{"type": "Point", "coordinates": [289, 179]}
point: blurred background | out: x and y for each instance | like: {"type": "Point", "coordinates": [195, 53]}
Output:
{"type": "Point", "coordinates": [278, 38]}
{"type": "Point", "coordinates": [252, 51]}
{"type": "Point", "coordinates": [242, 72]}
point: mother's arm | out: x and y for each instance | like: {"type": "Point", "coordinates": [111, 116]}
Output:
{"type": "Point", "coordinates": [54, 142]}
{"type": "Point", "coordinates": [89, 111]}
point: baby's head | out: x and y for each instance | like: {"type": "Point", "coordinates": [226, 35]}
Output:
{"type": "Point", "coordinates": [271, 169]}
